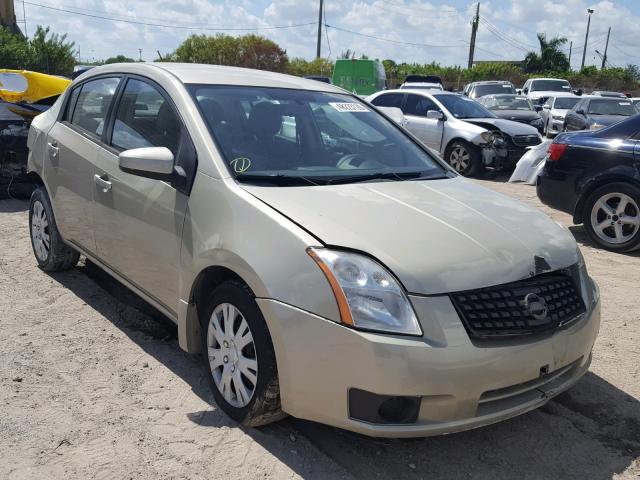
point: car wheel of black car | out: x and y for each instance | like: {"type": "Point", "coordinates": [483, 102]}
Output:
{"type": "Point", "coordinates": [464, 158]}
{"type": "Point", "coordinates": [52, 254]}
{"type": "Point", "coordinates": [239, 356]}
{"type": "Point", "coordinates": [611, 216]}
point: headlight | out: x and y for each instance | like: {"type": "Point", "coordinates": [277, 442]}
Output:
{"type": "Point", "coordinates": [368, 295]}
{"type": "Point", "coordinates": [487, 136]}
{"type": "Point", "coordinates": [537, 121]}
{"type": "Point", "coordinates": [595, 126]}
{"type": "Point", "coordinates": [557, 117]}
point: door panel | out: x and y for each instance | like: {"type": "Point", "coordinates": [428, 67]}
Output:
{"type": "Point", "coordinates": [138, 221]}
{"type": "Point", "coordinates": [70, 181]}
{"type": "Point", "coordinates": [138, 225]}
{"type": "Point", "coordinates": [428, 130]}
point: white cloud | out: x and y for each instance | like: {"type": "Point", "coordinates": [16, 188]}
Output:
{"type": "Point", "coordinates": [441, 28]}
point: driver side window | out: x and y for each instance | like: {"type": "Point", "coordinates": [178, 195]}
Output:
{"type": "Point", "coordinates": [418, 105]}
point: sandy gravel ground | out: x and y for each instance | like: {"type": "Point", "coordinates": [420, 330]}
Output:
{"type": "Point", "coordinates": [94, 385]}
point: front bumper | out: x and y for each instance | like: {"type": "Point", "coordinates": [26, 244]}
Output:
{"type": "Point", "coordinates": [460, 385]}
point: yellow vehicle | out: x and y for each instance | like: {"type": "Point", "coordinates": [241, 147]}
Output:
{"type": "Point", "coordinates": [23, 95]}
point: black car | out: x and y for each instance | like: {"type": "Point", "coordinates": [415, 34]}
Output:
{"type": "Point", "coordinates": [513, 107]}
{"type": "Point", "coordinates": [592, 113]}
{"type": "Point", "coordinates": [595, 176]}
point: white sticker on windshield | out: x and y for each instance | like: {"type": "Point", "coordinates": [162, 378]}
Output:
{"type": "Point", "coordinates": [566, 86]}
{"type": "Point", "coordinates": [349, 107]}
{"type": "Point", "coordinates": [624, 103]}
{"type": "Point", "coordinates": [506, 86]}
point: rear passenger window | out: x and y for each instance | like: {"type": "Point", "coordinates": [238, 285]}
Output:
{"type": "Point", "coordinates": [92, 104]}
{"type": "Point", "coordinates": [145, 119]}
{"type": "Point", "coordinates": [388, 100]}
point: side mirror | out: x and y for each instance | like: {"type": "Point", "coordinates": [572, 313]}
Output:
{"type": "Point", "coordinates": [152, 162]}
{"type": "Point", "coordinates": [525, 90]}
{"type": "Point", "coordinates": [518, 91]}
{"type": "Point", "coordinates": [537, 108]}
{"type": "Point", "coordinates": [435, 115]}
{"type": "Point", "coordinates": [580, 112]}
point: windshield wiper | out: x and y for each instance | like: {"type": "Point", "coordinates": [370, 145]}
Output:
{"type": "Point", "coordinates": [380, 176]}
{"type": "Point", "coordinates": [276, 179]}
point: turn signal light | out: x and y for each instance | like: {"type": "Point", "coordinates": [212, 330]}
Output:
{"type": "Point", "coordinates": [556, 150]}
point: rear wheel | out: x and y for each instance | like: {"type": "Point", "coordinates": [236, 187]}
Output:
{"type": "Point", "coordinates": [49, 249]}
{"type": "Point", "coordinates": [239, 356]}
{"type": "Point", "coordinates": [611, 217]}
{"type": "Point", "coordinates": [464, 158]}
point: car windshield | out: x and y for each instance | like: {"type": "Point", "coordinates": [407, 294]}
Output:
{"type": "Point", "coordinates": [482, 90]}
{"type": "Point", "coordinates": [463, 107]}
{"type": "Point", "coordinates": [550, 86]}
{"type": "Point", "coordinates": [296, 137]}
{"type": "Point", "coordinates": [611, 107]}
{"type": "Point", "coordinates": [509, 103]}
{"type": "Point", "coordinates": [565, 103]}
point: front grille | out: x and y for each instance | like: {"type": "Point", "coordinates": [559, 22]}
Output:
{"type": "Point", "coordinates": [525, 140]}
{"type": "Point", "coordinates": [515, 308]}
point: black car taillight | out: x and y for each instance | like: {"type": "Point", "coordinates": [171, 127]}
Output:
{"type": "Point", "coordinates": [556, 150]}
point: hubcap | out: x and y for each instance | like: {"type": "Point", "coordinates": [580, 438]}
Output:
{"type": "Point", "coordinates": [40, 231]}
{"type": "Point", "coordinates": [232, 355]}
{"type": "Point", "coordinates": [459, 158]}
{"type": "Point", "coordinates": [615, 218]}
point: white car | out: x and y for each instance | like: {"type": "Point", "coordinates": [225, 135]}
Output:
{"type": "Point", "coordinates": [421, 86]}
{"type": "Point", "coordinates": [535, 88]}
{"type": "Point", "coordinates": [554, 110]}
{"type": "Point", "coordinates": [465, 133]}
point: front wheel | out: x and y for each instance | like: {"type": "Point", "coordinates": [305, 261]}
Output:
{"type": "Point", "coordinates": [51, 253]}
{"type": "Point", "coordinates": [611, 217]}
{"type": "Point", "coordinates": [240, 357]}
{"type": "Point", "coordinates": [464, 158]}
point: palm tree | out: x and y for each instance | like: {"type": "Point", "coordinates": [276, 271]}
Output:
{"type": "Point", "coordinates": [551, 57]}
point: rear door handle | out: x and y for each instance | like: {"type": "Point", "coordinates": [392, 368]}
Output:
{"type": "Point", "coordinates": [104, 184]}
{"type": "Point", "coordinates": [53, 149]}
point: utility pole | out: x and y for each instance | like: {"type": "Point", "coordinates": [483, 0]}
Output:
{"type": "Point", "coordinates": [570, 48]}
{"type": "Point", "coordinates": [474, 30]}
{"type": "Point", "coordinates": [586, 38]}
{"type": "Point", "coordinates": [606, 45]}
{"type": "Point", "coordinates": [140, 53]}
{"type": "Point", "coordinates": [319, 28]}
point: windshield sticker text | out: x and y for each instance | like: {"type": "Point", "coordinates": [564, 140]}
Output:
{"type": "Point", "coordinates": [349, 107]}
{"type": "Point", "coordinates": [240, 164]}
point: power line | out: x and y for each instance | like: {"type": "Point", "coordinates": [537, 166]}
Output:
{"type": "Point", "coordinates": [183, 27]}
{"type": "Point", "coordinates": [397, 42]}
{"type": "Point", "coordinates": [506, 38]}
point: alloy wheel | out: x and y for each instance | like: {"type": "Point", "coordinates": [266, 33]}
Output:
{"type": "Point", "coordinates": [615, 218]}
{"type": "Point", "coordinates": [40, 236]}
{"type": "Point", "coordinates": [232, 355]}
{"type": "Point", "coordinates": [459, 158]}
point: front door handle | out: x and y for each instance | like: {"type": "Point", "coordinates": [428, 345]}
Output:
{"type": "Point", "coordinates": [53, 149]}
{"type": "Point", "coordinates": [103, 183]}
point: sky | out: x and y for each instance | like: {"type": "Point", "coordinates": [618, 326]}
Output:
{"type": "Point", "coordinates": [403, 30]}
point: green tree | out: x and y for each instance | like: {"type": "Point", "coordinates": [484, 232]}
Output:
{"type": "Point", "coordinates": [304, 68]}
{"type": "Point", "coordinates": [551, 57]}
{"type": "Point", "coordinates": [251, 51]}
{"type": "Point", "coordinates": [45, 52]}
{"type": "Point", "coordinates": [119, 59]}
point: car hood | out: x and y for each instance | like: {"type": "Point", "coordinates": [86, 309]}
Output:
{"type": "Point", "coordinates": [437, 236]}
{"type": "Point", "coordinates": [517, 115]}
{"type": "Point", "coordinates": [507, 126]}
{"type": "Point", "coordinates": [606, 119]}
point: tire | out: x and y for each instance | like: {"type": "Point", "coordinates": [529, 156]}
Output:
{"type": "Point", "coordinates": [262, 405]}
{"type": "Point", "coordinates": [52, 254]}
{"type": "Point", "coordinates": [606, 225]}
{"type": "Point", "coordinates": [464, 158]}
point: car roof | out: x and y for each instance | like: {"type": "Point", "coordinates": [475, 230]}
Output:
{"type": "Point", "coordinates": [502, 95]}
{"type": "Point", "coordinates": [548, 78]}
{"type": "Point", "coordinates": [491, 82]}
{"type": "Point", "coordinates": [196, 73]}
{"type": "Point", "coordinates": [419, 91]}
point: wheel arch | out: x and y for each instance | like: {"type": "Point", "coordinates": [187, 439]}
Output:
{"type": "Point", "coordinates": [593, 186]}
